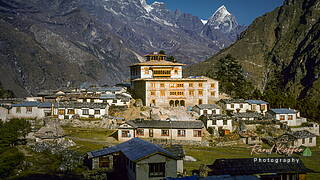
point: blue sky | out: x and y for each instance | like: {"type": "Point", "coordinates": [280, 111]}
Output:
{"type": "Point", "coordinates": [244, 10]}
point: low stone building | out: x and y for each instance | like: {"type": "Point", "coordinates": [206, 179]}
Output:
{"type": "Point", "coordinates": [234, 105]}
{"type": "Point", "coordinates": [258, 106]}
{"type": "Point", "coordinates": [31, 109]}
{"type": "Point", "coordinates": [157, 129]}
{"type": "Point", "coordinates": [68, 110]}
{"type": "Point", "coordinates": [291, 117]}
{"type": "Point", "coordinates": [206, 109]}
{"type": "Point", "coordinates": [135, 159]}
{"type": "Point", "coordinates": [248, 116]}
{"type": "Point", "coordinates": [298, 138]}
{"type": "Point", "coordinates": [218, 122]}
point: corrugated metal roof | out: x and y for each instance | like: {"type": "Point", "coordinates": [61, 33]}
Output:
{"type": "Point", "coordinates": [208, 106]}
{"type": "Point", "coordinates": [27, 104]}
{"type": "Point", "coordinates": [301, 134]}
{"type": "Point", "coordinates": [134, 149]}
{"type": "Point", "coordinates": [283, 111]}
{"type": "Point", "coordinates": [166, 124]}
{"type": "Point", "coordinates": [251, 101]}
{"type": "Point", "coordinates": [107, 96]}
{"type": "Point", "coordinates": [229, 101]}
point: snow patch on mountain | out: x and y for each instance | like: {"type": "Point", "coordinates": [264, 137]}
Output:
{"type": "Point", "coordinates": [147, 7]}
{"type": "Point", "coordinates": [204, 21]}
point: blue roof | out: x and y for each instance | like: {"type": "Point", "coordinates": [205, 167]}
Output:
{"type": "Point", "coordinates": [107, 96]}
{"type": "Point", "coordinates": [33, 104]}
{"type": "Point", "coordinates": [27, 104]}
{"type": "Point", "coordinates": [134, 149]}
{"type": "Point", "coordinates": [256, 102]}
{"type": "Point", "coordinates": [283, 111]}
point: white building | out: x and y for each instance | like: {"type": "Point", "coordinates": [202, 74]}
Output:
{"type": "Point", "coordinates": [218, 122]}
{"type": "Point", "coordinates": [206, 109]}
{"type": "Point", "coordinates": [289, 116]}
{"type": "Point", "coordinates": [258, 106]}
{"type": "Point", "coordinates": [235, 105]}
{"type": "Point", "coordinates": [298, 138]}
{"type": "Point", "coordinates": [30, 109]}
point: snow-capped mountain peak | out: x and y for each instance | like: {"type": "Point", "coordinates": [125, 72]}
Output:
{"type": "Point", "coordinates": [222, 19]}
{"type": "Point", "coordinates": [147, 7]}
{"type": "Point", "coordinates": [204, 21]}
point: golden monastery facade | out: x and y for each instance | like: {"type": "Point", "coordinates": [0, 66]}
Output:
{"type": "Point", "coordinates": [160, 83]}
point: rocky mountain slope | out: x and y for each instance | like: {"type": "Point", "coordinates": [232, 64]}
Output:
{"type": "Point", "coordinates": [57, 43]}
{"type": "Point", "coordinates": [280, 53]}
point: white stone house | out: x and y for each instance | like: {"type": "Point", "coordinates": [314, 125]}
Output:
{"type": "Point", "coordinates": [289, 116]}
{"type": "Point", "coordinates": [218, 122]}
{"type": "Point", "coordinates": [30, 109]}
{"type": "Point", "coordinates": [157, 129]}
{"type": "Point", "coordinates": [67, 110]}
{"type": "Point", "coordinates": [298, 138]}
{"type": "Point", "coordinates": [4, 112]}
{"type": "Point", "coordinates": [135, 159]}
{"type": "Point", "coordinates": [206, 109]}
{"type": "Point", "coordinates": [235, 105]}
{"type": "Point", "coordinates": [258, 106]}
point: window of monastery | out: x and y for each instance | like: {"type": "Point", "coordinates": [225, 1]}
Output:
{"type": "Point", "coordinates": [200, 101]}
{"type": "Point", "coordinates": [172, 85]}
{"type": "Point", "coordinates": [191, 92]}
{"type": "Point", "coordinates": [176, 71]}
{"type": "Point", "coordinates": [200, 93]}
{"type": "Point", "coordinates": [213, 93]}
{"type": "Point", "coordinates": [200, 84]}
{"type": "Point", "coordinates": [153, 85]}
{"type": "Point", "coordinates": [162, 85]}
{"type": "Point", "coordinates": [180, 85]}
{"type": "Point", "coordinates": [162, 93]}
{"type": "Point", "coordinates": [153, 93]}
{"type": "Point", "coordinates": [146, 70]}
{"type": "Point", "coordinates": [213, 85]}
{"type": "Point", "coordinates": [190, 84]}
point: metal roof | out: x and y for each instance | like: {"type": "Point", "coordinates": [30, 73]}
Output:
{"type": "Point", "coordinates": [283, 111]}
{"type": "Point", "coordinates": [251, 101]}
{"type": "Point", "coordinates": [27, 104]}
{"type": "Point", "coordinates": [166, 124]}
{"type": "Point", "coordinates": [207, 106]}
{"type": "Point", "coordinates": [134, 149]}
{"type": "Point", "coordinates": [301, 134]}
{"type": "Point", "coordinates": [229, 101]}
{"type": "Point", "coordinates": [107, 96]}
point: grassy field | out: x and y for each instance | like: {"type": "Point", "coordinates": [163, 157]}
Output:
{"type": "Point", "coordinates": [207, 155]}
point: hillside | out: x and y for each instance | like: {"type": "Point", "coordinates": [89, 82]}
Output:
{"type": "Point", "coordinates": [280, 55]}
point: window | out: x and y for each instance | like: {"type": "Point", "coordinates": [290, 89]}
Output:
{"type": "Point", "coordinates": [232, 106]}
{"type": "Point", "coordinates": [254, 107]}
{"type": "Point", "coordinates": [290, 117]}
{"type": "Point", "coordinates": [125, 133]}
{"type": "Point", "coordinates": [140, 132]}
{"type": "Point", "coordinates": [213, 93]}
{"type": "Point", "coordinates": [172, 85]}
{"type": "Point", "coordinates": [214, 122]}
{"type": "Point", "coordinates": [18, 110]}
{"type": "Point", "coordinates": [162, 85]}
{"type": "Point", "coordinates": [164, 132]}
{"type": "Point", "coordinates": [71, 111]}
{"type": "Point", "coordinates": [146, 70]}
{"type": "Point", "coordinates": [153, 85]}
{"type": "Point", "coordinates": [310, 140]}
{"type": "Point", "coordinates": [263, 107]}
{"type": "Point", "coordinates": [97, 111]}
{"type": "Point", "coordinates": [157, 169]}
{"type": "Point", "coordinates": [153, 93]}
{"type": "Point", "coordinates": [191, 92]}
{"type": "Point", "coordinates": [104, 162]}
{"type": "Point", "coordinates": [200, 84]}
{"type": "Point", "coordinates": [303, 140]}
{"type": "Point", "coordinates": [197, 133]}
{"type": "Point", "coordinates": [61, 111]}
{"type": "Point", "coordinates": [181, 133]}
{"type": "Point", "coordinates": [282, 117]}
{"type": "Point", "coordinates": [176, 71]}
{"type": "Point", "coordinates": [29, 109]}
{"type": "Point", "coordinates": [162, 93]}
{"type": "Point", "coordinates": [85, 111]}
{"type": "Point", "coordinates": [153, 101]}
{"type": "Point", "coordinates": [213, 85]}
{"type": "Point", "coordinates": [180, 85]}
{"type": "Point", "coordinates": [225, 122]}
{"type": "Point", "coordinates": [190, 84]}
{"type": "Point", "coordinates": [200, 93]}
{"type": "Point", "coordinates": [241, 105]}
{"type": "Point", "coordinates": [205, 112]}
{"type": "Point", "coordinates": [200, 101]}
